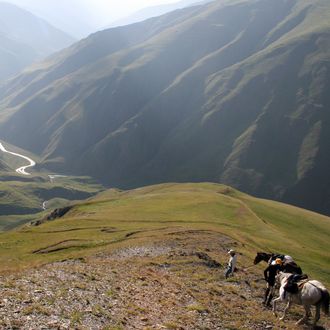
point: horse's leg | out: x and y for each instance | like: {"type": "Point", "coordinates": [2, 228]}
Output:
{"type": "Point", "coordinates": [305, 317]}
{"type": "Point", "coordinates": [317, 314]}
{"type": "Point", "coordinates": [271, 295]}
{"type": "Point", "coordinates": [266, 294]}
{"type": "Point", "coordinates": [274, 305]}
{"type": "Point", "coordinates": [286, 309]}
{"type": "Point", "coordinates": [309, 312]}
{"type": "Point", "coordinates": [227, 272]}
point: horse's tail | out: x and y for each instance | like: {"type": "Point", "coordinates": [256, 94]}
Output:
{"type": "Point", "coordinates": [325, 301]}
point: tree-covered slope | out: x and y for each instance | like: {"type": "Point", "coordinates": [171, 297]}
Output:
{"type": "Point", "coordinates": [233, 91]}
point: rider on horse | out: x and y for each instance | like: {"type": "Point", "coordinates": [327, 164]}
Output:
{"type": "Point", "coordinates": [284, 258]}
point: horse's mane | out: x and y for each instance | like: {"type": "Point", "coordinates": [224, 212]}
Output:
{"type": "Point", "coordinates": [284, 274]}
{"type": "Point", "coordinates": [265, 253]}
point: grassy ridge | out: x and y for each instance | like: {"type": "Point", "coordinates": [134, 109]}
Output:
{"type": "Point", "coordinates": [121, 217]}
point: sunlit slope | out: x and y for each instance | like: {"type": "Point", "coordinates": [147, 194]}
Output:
{"type": "Point", "coordinates": [137, 216]}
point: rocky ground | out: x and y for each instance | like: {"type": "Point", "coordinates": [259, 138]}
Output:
{"type": "Point", "coordinates": [175, 282]}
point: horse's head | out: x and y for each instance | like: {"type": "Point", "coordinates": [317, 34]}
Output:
{"type": "Point", "coordinates": [257, 259]}
{"type": "Point", "coordinates": [261, 256]}
{"type": "Point", "coordinates": [282, 277]}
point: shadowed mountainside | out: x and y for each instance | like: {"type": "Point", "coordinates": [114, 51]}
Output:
{"type": "Point", "coordinates": [232, 91]}
{"type": "Point", "coordinates": [3, 166]}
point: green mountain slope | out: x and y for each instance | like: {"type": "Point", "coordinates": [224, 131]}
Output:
{"type": "Point", "coordinates": [23, 200]}
{"type": "Point", "coordinates": [155, 257]}
{"type": "Point", "coordinates": [25, 38]}
{"type": "Point", "coordinates": [233, 92]}
{"type": "Point", "coordinates": [25, 196]}
{"type": "Point", "coordinates": [117, 217]}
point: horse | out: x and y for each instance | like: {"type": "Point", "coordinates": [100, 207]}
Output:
{"type": "Point", "coordinates": [288, 266]}
{"type": "Point", "coordinates": [310, 292]}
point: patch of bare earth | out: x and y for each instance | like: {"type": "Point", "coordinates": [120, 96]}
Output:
{"type": "Point", "coordinates": [175, 283]}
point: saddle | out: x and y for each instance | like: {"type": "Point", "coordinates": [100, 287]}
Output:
{"type": "Point", "coordinates": [295, 282]}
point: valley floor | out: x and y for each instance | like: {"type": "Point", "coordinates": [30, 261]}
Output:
{"type": "Point", "coordinates": [169, 283]}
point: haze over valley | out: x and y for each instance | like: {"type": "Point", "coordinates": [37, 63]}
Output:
{"type": "Point", "coordinates": [233, 93]}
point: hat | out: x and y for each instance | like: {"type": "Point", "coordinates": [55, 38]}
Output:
{"type": "Point", "coordinates": [278, 261]}
{"type": "Point", "coordinates": [231, 251]}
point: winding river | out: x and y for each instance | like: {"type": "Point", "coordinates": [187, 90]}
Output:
{"type": "Point", "coordinates": [20, 170]}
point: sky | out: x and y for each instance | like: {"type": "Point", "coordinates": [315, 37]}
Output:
{"type": "Point", "coordinates": [99, 12]}
{"type": "Point", "coordinates": [79, 18]}
{"type": "Point", "coordinates": [112, 10]}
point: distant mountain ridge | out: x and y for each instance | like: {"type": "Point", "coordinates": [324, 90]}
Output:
{"type": "Point", "coordinates": [155, 11]}
{"type": "Point", "coordinates": [72, 17]}
{"type": "Point", "coordinates": [233, 92]}
{"type": "Point", "coordinates": [25, 38]}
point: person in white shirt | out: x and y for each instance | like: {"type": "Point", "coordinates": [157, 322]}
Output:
{"type": "Point", "coordinates": [231, 263]}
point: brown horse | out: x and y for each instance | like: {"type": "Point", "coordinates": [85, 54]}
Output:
{"type": "Point", "coordinates": [287, 267]}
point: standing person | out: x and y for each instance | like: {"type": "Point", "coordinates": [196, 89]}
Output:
{"type": "Point", "coordinates": [231, 263]}
{"type": "Point", "coordinates": [270, 276]}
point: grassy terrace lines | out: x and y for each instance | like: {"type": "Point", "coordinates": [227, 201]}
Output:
{"type": "Point", "coordinates": [122, 218]}
{"type": "Point", "coordinates": [171, 281]}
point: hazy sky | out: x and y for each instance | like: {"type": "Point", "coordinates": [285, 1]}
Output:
{"type": "Point", "coordinates": [100, 11]}
{"type": "Point", "coordinates": [81, 17]}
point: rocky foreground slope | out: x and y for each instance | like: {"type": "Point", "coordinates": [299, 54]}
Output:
{"type": "Point", "coordinates": [171, 283]}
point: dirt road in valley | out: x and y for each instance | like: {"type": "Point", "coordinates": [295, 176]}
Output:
{"type": "Point", "coordinates": [22, 169]}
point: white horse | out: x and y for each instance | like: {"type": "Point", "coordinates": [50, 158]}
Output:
{"type": "Point", "coordinates": [310, 292]}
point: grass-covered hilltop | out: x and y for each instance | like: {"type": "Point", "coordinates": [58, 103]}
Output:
{"type": "Point", "coordinates": [147, 259]}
